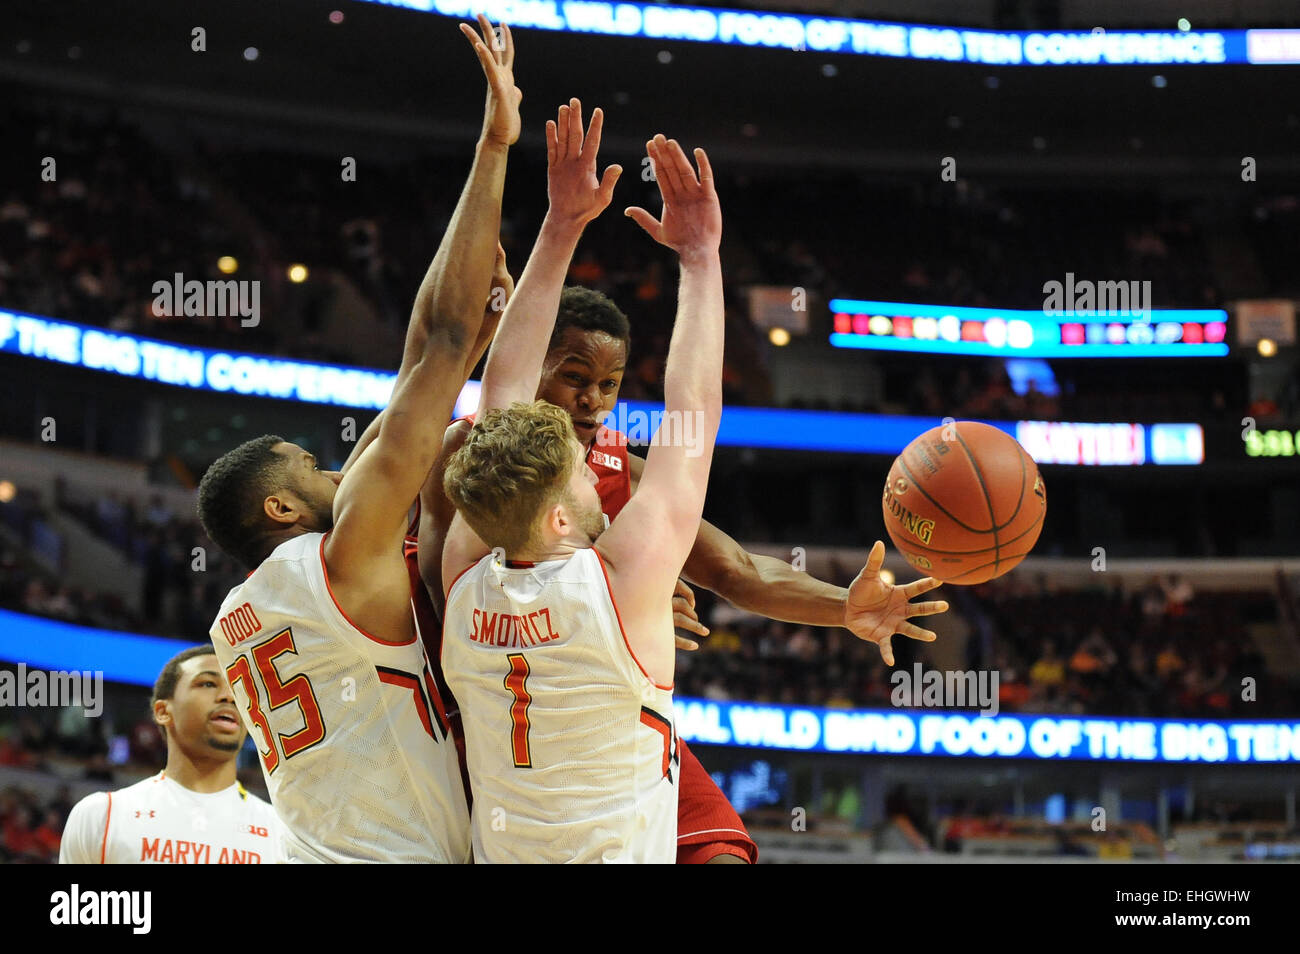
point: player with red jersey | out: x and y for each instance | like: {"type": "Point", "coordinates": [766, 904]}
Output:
{"type": "Point", "coordinates": [581, 373]}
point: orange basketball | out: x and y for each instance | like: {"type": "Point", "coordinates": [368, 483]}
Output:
{"type": "Point", "coordinates": [964, 503]}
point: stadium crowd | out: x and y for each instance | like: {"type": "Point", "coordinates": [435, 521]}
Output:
{"type": "Point", "coordinates": [89, 245]}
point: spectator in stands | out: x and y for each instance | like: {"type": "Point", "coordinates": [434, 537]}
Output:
{"type": "Point", "coordinates": [18, 836]}
{"type": "Point", "coordinates": [1093, 659]}
{"type": "Point", "coordinates": [1178, 593]}
{"type": "Point", "coordinates": [1047, 675]}
{"type": "Point", "coordinates": [48, 835]}
{"type": "Point", "coordinates": [1169, 663]}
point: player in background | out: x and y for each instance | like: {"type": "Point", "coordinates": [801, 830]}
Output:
{"type": "Point", "coordinates": [319, 642]}
{"type": "Point", "coordinates": [194, 811]}
{"type": "Point", "coordinates": [584, 766]}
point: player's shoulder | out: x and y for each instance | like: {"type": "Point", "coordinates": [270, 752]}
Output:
{"type": "Point", "coordinates": [457, 431]}
{"type": "Point", "coordinates": [259, 807]}
{"type": "Point", "coordinates": [93, 805]}
{"type": "Point", "coordinates": [145, 788]}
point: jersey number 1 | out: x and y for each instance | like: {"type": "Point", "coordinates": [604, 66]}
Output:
{"type": "Point", "coordinates": [519, 725]}
{"type": "Point", "coordinates": [278, 693]}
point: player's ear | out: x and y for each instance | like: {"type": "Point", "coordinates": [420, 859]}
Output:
{"type": "Point", "coordinates": [281, 508]}
{"type": "Point", "coordinates": [162, 712]}
{"type": "Point", "coordinates": [558, 520]}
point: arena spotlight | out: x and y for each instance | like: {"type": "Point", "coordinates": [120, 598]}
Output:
{"type": "Point", "coordinates": [7, 491]}
{"type": "Point", "coordinates": [1184, 24]}
{"type": "Point", "coordinates": [1267, 347]}
{"type": "Point", "coordinates": [227, 265]}
{"type": "Point", "coordinates": [250, 53]}
{"type": "Point", "coordinates": [297, 274]}
{"type": "Point", "coordinates": [779, 337]}
{"type": "Point", "coordinates": [336, 16]}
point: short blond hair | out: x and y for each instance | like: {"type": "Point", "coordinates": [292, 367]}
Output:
{"type": "Point", "coordinates": [516, 462]}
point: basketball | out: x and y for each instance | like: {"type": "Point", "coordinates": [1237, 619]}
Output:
{"type": "Point", "coordinates": [964, 503]}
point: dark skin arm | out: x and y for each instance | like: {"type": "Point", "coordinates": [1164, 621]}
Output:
{"type": "Point", "coordinates": [753, 582]}
{"type": "Point", "coordinates": [869, 608]}
{"type": "Point", "coordinates": [503, 286]}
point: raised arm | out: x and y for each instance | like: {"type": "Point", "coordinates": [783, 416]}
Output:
{"type": "Point", "coordinates": [577, 196]}
{"type": "Point", "coordinates": [371, 505]}
{"type": "Point", "coordinates": [870, 608]}
{"type": "Point", "coordinates": [502, 288]}
{"type": "Point", "coordinates": [648, 543]}
{"type": "Point", "coordinates": [514, 364]}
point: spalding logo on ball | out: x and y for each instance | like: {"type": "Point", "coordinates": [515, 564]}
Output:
{"type": "Point", "coordinates": [964, 503]}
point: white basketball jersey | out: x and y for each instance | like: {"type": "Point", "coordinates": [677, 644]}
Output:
{"type": "Point", "coordinates": [352, 733]}
{"type": "Point", "coordinates": [571, 747]}
{"type": "Point", "coordinates": [159, 822]}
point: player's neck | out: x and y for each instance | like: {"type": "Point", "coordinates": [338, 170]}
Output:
{"type": "Point", "coordinates": [560, 548]}
{"type": "Point", "coordinates": [204, 776]}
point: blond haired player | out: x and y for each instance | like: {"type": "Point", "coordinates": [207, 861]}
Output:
{"type": "Point", "coordinates": [194, 811]}
{"type": "Point", "coordinates": [561, 652]}
{"type": "Point", "coordinates": [319, 642]}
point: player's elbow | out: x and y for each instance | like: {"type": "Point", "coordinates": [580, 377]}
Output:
{"type": "Point", "coordinates": [452, 333]}
{"type": "Point", "coordinates": [733, 576]}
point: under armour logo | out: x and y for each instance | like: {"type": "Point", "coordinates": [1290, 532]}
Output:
{"type": "Point", "coordinates": [139, 813]}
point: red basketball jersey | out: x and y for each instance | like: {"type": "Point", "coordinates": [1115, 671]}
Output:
{"type": "Point", "coordinates": [707, 825]}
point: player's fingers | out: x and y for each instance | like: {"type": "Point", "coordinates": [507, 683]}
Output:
{"type": "Point", "coordinates": [928, 608]}
{"type": "Point", "coordinates": [510, 45]}
{"type": "Point", "coordinates": [575, 129]}
{"type": "Point", "coordinates": [482, 52]}
{"type": "Point", "coordinates": [876, 558]}
{"type": "Point", "coordinates": [683, 590]}
{"type": "Point", "coordinates": [679, 170]}
{"type": "Point", "coordinates": [665, 176]}
{"type": "Point", "coordinates": [552, 142]}
{"type": "Point", "coordinates": [706, 169]}
{"type": "Point", "coordinates": [591, 145]}
{"type": "Point", "coordinates": [917, 587]}
{"type": "Point", "coordinates": [607, 183]}
{"type": "Point", "coordinates": [562, 132]}
{"type": "Point", "coordinates": [689, 645]}
{"type": "Point", "coordinates": [689, 623]}
{"type": "Point", "coordinates": [682, 165]}
{"type": "Point", "coordinates": [912, 631]}
{"type": "Point", "coordinates": [886, 650]}
{"type": "Point", "coordinates": [644, 219]}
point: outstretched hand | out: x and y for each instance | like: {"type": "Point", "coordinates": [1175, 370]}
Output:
{"type": "Point", "coordinates": [876, 610]}
{"type": "Point", "coordinates": [576, 195]}
{"type": "Point", "coordinates": [691, 223]}
{"type": "Point", "coordinates": [496, 54]}
{"type": "Point", "coordinates": [685, 616]}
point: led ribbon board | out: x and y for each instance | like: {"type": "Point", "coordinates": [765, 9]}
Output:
{"type": "Point", "coordinates": [874, 38]}
{"type": "Point", "coordinates": [137, 660]}
{"type": "Point", "coordinates": [1007, 332]}
{"type": "Point", "coordinates": [253, 375]}
{"type": "Point", "coordinates": [969, 735]}
{"type": "Point", "coordinates": [233, 372]}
